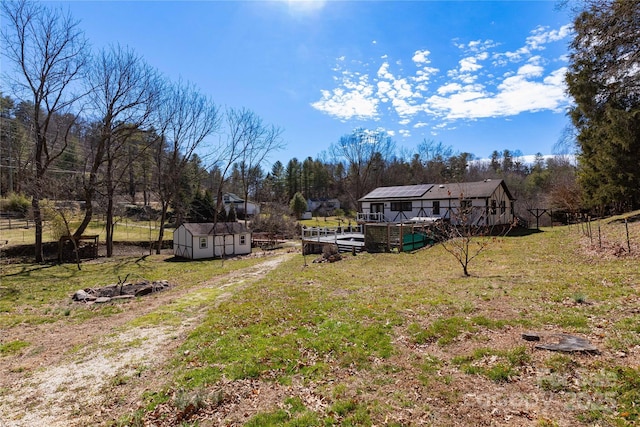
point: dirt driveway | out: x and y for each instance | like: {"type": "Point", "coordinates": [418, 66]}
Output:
{"type": "Point", "coordinates": [87, 373]}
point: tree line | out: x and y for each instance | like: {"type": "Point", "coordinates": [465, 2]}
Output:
{"type": "Point", "coordinates": [105, 128]}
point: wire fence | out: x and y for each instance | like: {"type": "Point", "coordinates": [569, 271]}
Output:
{"type": "Point", "coordinates": [620, 236]}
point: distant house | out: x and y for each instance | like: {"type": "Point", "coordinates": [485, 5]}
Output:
{"type": "Point", "coordinates": [229, 199]}
{"type": "Point", "coordinates": [209, 240]}
{"type": "Point", "coordinates": [323, 206]}
{"type": "Point", "coordinates": [487, 202]}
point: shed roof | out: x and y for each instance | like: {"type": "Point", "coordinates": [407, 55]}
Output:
{"type": "Point", "coordinates": [207, 228]}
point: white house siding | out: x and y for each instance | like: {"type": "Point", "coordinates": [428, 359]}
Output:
{"type": "Point", "coordinates": [481, 195]}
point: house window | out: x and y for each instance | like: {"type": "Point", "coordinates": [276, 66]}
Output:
{"type": "Point", "coordinates": [401, 206]}
{"type": "Point", "coordinates": [243, 239]}
{"type": "Point", "coordinates": [203, 243]}
{"type": "Point", "coordinates": [436, 207]}
{"type": "Point", "coordinates": [503, 207]}
{"type": "Point", "coordinates": [377, 207]}
{"type": "Point", "coordinates": [494, 205]}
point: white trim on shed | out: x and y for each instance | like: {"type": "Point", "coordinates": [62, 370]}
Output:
{"type": "Point", "coordinates": [209, 240]}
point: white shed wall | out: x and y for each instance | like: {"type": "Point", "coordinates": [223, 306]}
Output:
{"type": "Point", "coordinates": [182, 243]}
{"type": "Point", "coordinates": [188, 246]}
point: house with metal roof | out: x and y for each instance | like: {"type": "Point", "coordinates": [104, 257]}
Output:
{"type": "Point", "coordinates": [211, 240]}
{"type": "Point", "coordinates": [487, 202]}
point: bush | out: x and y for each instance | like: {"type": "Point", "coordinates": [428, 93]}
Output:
{"type": "Point", "coordinates": [18, 203]}
{"type": "Point", "coordinates": [275, 221]}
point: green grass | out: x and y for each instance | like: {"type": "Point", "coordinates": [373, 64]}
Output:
{"type": "Point", "coordinates": [125, 230]}
{"type": "Point", "coordinates": [330, 221]}
{"type": "Point", "coordinates": [36, 294]}
{"type": "Point", "coordinates": [355, 332]}
{"type": "Point", "coordinates": [497, 365]}
{"type": "Point", "coordinates": [13, 347]}
{"type": "Point", "coordinates": [297, 331]}
{"type": "Point", "coordinates": [308, 322]}
{"type": "Point", "coordinates": [295, 414]}
{"type": "Point", "coordinates": [445, 330]}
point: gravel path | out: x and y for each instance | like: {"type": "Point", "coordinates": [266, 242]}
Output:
{"type": "Point", "coordinates": [84, 374]}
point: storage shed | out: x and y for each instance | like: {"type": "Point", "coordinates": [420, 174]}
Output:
{"type": "Point", "coordinates": [209, 240]}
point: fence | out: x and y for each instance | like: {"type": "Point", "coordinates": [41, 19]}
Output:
{"type": "Point", "coordinates": [614, 235]}
{"type": "Point", "coordinates": [397, 237]}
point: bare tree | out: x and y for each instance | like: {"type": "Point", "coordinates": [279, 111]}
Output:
{"type": "Point", "coordinates": [256, 141]}
{"type": "Point", "coordinates": [124, 95]}
{"type": "Point", "coordinates": [49, 52]}
{"type": "Point", "coordinates": [362, 150]}
{"type": "Point", "coordinates": [187, 119]}
{"type": "Point", "coordinates": [465, 237]}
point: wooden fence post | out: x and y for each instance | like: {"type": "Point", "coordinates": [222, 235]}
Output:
{"type": "Point", "coordinates": [626, 226]}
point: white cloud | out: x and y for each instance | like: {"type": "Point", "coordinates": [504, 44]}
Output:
{"type": "Point", "coordinates": [530, 70]}
{"type": "Point", "coordinates": [421, 57]}
{"type": "Point", "coordinates": [539, 37]}
{"type": "Point", "coordinates": [485, 83]}
{"type": "Point", "coordinates": [469, 64]}
{"type": "Point", "coordinates": [542, 35]}
{"type": "Point", "coordinates": [355, 99]}
{"type": "Point", "coordinates": [449, 88]}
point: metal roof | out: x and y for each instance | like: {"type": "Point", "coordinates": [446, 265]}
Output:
{"type": "Point", "coordinates": [398, 192]}
{"type": "Point", "coordinates": [467, 190]}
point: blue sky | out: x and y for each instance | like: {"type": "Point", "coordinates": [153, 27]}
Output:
{"type": "Point", "coordinates": [477, 76]}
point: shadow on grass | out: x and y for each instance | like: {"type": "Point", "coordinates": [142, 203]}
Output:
{"type": "Point", "coordinates": [8, 292]}
{"type": "Point", "coordinates": [521, 232]}
{"type": "Point", "coordinates": [178, 259]}
{"type": "Point", "coordinates": [27, 270]}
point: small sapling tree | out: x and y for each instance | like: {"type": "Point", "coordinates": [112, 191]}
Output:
{"type": "Point", "coordinates": [466, 234]}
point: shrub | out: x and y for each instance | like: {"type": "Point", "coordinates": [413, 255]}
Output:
{"type": "Point", "coordinates": [18, 203]}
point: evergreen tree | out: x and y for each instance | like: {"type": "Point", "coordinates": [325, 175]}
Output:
{"type": "Point", "coordinates": [298, 205]}
{"type": "Point", "coordinates": [604, 81]}
{"type": "Point", "coordinates": [232, 216]}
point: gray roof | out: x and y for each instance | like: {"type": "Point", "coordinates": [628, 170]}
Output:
{"type": "Point", "coordinates": [207, 228]}
{"type": "Point", "coordinates": [468, 190]}
{"type": "Point", "coordinates": [397, 192]}
{"type": "Point", "coordinates": [232, 198]}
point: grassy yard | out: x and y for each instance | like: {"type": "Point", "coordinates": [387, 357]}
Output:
{"type": "Point", "coordinates": [330, 221]}
{"type": "Point", "coordinates": [387, 339]}
{"type": "Point", "coordinates": [21, 232]}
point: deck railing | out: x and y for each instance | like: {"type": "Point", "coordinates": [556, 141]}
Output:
{"type": "Point", "coordinates": [310, 233]}
{"type": "Point", "coordinates": [371, 217]}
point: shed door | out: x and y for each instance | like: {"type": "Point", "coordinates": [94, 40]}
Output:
{"type": "Point", "coordinates": [228, 244]}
